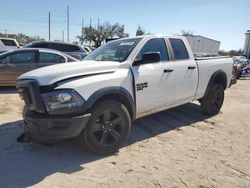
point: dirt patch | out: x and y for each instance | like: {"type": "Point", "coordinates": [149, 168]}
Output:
{"type": "Point", "coordinates": [10, 105]}
{"type": "Point", "coordinates": [180, 147]}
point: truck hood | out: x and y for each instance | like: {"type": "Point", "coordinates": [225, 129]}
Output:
{"type": "Point", "coordinates": [54, 73]}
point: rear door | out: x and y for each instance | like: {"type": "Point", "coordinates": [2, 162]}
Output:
{"type": "Point", "coordinates": [50, 58]}
{"type": "Point", "coordinates": [155, 82]}
{"type": "Point", "coordinates": [186, 71]}
{"type": "Point", "coordinates": [15, 64]}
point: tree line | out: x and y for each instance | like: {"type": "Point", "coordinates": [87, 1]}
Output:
{"type": "Point", "coordinates": [96, 35]}
{"type": "Point", "coordinates": [231, 53]}
{"type": "Point", "coordinates": [21, 38]}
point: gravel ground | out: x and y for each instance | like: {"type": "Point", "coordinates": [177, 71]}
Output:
{"type": "Point", "coordinates": [180, 147]}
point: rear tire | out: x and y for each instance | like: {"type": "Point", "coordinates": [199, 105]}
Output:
{"type": "Point", "coordinates": [108, 127]}
{"type": "Point", "coordinates": [213, 101]}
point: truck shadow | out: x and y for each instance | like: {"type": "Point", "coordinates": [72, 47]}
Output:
{"type": "Point", "coordinates": [24, 165]}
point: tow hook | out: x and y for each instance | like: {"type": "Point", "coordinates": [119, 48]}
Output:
{"type": "Point", "coordinates": [23, 138]}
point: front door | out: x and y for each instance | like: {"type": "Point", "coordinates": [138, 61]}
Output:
{"type": "Point", "coordinates": [154, 82]}
{"type": "Point", "coordinates": [15, 64]}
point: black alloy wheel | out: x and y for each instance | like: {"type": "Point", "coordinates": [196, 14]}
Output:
{"type": "Point", "coordinates": [108, 127]}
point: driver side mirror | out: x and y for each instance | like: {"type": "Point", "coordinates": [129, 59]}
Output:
{"type": "Point", "coordinates": [152, 57]}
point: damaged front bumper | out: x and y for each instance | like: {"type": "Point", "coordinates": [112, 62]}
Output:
{"type": "Point", "coordinates": [44, 128]}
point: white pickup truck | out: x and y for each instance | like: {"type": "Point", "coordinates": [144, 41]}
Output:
{"type": "Point", "coordinates": [99, 98]}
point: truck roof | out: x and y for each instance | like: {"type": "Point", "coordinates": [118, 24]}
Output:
{"type": "Point", "coordinates": [156, 36]}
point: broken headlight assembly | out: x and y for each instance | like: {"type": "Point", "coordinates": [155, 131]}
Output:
{"type": "Point", "coordinates": [63, 102]}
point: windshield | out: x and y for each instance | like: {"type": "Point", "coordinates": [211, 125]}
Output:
{"type": "Point", "coordinates": [114, 51]}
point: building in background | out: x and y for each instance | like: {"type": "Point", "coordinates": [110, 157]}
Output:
{"type": "Point", "coordinates": [246, 51]}
{"type": "Point", "coordinates": [203, 46]}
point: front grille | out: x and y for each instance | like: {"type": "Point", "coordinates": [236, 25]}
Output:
{"type": "Point", "coordinates": [25, 95]}
{"type": "Point", "coordinates": [30, 93]}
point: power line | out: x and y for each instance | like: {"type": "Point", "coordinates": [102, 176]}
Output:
{"type": "Point", "coordinates": [36, 19]}
{"type": "Point", "coordinates": [7, 6]}
{"type": "Point", "coordinates": [17, 22]}
{"type": "Point", "coordinates": [28, 16]}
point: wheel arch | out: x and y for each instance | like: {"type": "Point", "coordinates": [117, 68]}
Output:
{"type": "Point", "coordinates": [218, 77]}
{"type": "Point", "coordinates": [119, 94]}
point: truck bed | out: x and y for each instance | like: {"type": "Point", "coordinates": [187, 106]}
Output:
{"type": "Point", "coordinates": [207, 66]}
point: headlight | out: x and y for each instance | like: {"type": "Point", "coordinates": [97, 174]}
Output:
{"type": "Point", "coordinates": [63, 102]}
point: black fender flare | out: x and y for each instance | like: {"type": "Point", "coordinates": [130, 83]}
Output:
{"type": "Point", "coordinates": [218, 73]}
{"type": "Point", "coordinates": [114, 90]}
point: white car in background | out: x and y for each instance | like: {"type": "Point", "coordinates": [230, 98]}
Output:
{"type": "Point", "coordinates": [7, 44]}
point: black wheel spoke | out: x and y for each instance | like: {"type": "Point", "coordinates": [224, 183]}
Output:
{"type": "Point", "coordinates": [106, 116]}
{"type": "Point", "coordinates": [104, 138]}
{"type": "Point", "coordinates": [115, 134]}
{"type": "Point", "coordinates": [116, 121]}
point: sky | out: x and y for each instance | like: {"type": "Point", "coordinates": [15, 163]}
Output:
{"type": "Point", "coordinates": [223, 20]}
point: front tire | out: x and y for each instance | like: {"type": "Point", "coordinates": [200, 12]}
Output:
{"type": "Point", "coordinates": [108, 127]}
{"type": "Point", "coordinates": [213, 101]}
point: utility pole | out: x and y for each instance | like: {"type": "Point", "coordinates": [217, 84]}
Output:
{"type": "Point", "coordinates": [63, 36]}
{"type": "Point", "coordinates": [98, 24]}
{"type": "Point", "coordinates": [49, 26]}
{"type": "Point", "coordinates": [90, 25]}
{"type": "Point", "coordinates": [82, 31]}
{"type": "Point", "coordinates": [67, 23]}
{"type": "Point", "coordinates": [82, 22]}
{"type": "Point", "coordinates": [6, 33]}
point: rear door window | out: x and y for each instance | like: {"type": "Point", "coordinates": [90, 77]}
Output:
{"type": "Point", "coordinates": [179, 49]}
{"type": "Point", "coordinates": [46, 57]}
{"type": "Point", "coordinates": [7, 42]}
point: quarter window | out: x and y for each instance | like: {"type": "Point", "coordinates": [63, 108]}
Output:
{"type": "Point", "coordinates": [154, 45]}
{"type": "Point", "coordinates": [179, 49]}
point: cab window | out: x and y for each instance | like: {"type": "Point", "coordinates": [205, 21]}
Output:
{"type": "Point", "coordinates": [155, 45]}
{"type": "Point", "coordinates": [179, 49]}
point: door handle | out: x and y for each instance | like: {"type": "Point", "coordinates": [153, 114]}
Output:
{"type": "Point", "coordinates": [191, 67]}
{"type": "Point", "coordinates": [168, 70]}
